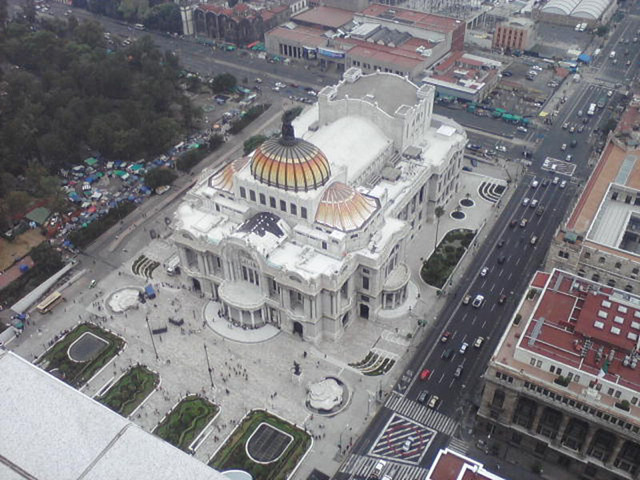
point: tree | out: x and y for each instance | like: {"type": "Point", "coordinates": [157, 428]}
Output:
{"type": "Point", "coordinates": [17, 202]}
{"type": "Point", "coordinates": [29, 10]}
{"type": "Point", "coordinates": [4, 13]}
{"type": "Point", "coordinates": [223, 82]}
{"type": "Point", "coordinates": [252, 143]}
{"type": "Point", "coordinates": [602, 30]}
{"type": "Point", "coordinates": [164, 17]}
{"type": "Point", "coordinates": [609, 125]}
{"type": "Point", "coordinates": [159, 177]}
{"type": "Point", "coordinates": [438, 213]}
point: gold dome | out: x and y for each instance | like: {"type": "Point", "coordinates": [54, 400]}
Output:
{"type": "Point", "coordinates": [223, 178]}
{"type": "Point", "coordinates": [344, 208]}
{"type": "Point", "coordinates": [290, 163]}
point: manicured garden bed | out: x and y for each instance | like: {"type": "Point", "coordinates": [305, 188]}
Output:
{"type": "Point", "coordinates": [130, 390]}
{"type": "Point", "coordinates": [233, 454]}
{"type": "Point", "coordinates": [56, 360]}
{"type": "Point", "coordinates": [438, 267]}
{"type": "Point", "coordinates": [186, 421]}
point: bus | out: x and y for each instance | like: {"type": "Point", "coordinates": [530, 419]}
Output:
{"type": "Point", "coordinates": [592, 109]}
{"type": "Point", "coordinates": [48, 303]}
{"type": "Point", "coordinates": [138, 26]}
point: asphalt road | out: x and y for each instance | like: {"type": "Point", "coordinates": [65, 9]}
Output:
{"type": "Point", "coordinates": [466, 323]}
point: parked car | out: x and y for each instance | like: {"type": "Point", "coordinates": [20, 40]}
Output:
{"type": "Point", "coordinates": [458, 371]}
{"type": "Point", "coordinates": [447, 354]}
{"type": "Point", "coordinates": [422, 396]}
{"type": "Point", "coordinates": [478, 343]}
{"type": "Point", "coordinates": [445, 337]}
{"type": "Point", "coordinates": [463, 348]}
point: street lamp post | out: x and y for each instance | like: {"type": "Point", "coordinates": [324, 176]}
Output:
{"type": "Point", "coordinates": [206, 354]}
{"type": "Point", "coordinates": [153, 343]}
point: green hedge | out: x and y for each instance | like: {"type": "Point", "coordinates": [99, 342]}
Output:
{"type": "Point", "coordinates": [185, 422]}
{"type": "Point", "coordinates": [78, 373]}
{"type": "Point", "coordinates": [233, 455]}
{"type": "Point", "coordinates": [438, 267]}
{"type": "Point", "coordinates": [241, 123]}
{"type": "Point", "coordinates": [130, 390]}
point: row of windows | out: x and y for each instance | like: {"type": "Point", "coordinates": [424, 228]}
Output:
{"type": "Point", "coordinates": [505, 377]}
{"type": "Point", "coordinates": [558, 371]}
{"type": "Point", "coordinates": [585, 408]}
{"type": "Point", "coordinates": [627, 198]}
{"type": "Point", "coordinates": [368, 66]}
{"type": "Point", "coordinates": [293, 208]}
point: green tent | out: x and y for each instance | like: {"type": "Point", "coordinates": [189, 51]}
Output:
{"type": "Point", "coordinates": [91, 161]}
{"type": "Point", "coordinates": [119, 173]}
{"type": "Point", "coordinates": [500, 110]}
{"type": "Point", "coordinates": [137, 167]}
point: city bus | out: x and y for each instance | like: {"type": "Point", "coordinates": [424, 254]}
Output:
{"type": "Point", "coordinates": [138, 26]}
{"type": "Point", "coordinates": [48, 303]}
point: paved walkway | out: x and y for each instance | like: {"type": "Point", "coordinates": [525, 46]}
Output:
{"type": "Point", "coordinates": [249, 375]}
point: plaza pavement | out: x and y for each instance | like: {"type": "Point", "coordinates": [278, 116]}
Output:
{"type": "Point", "coordinates": [257, 375]}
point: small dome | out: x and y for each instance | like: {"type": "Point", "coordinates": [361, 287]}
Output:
{"type": "Point", "coordinates": [290, 163]}
{"type": "Point", "coordinates": [223, 178]}
{"type": "Point", "coordinates": [344, 208]}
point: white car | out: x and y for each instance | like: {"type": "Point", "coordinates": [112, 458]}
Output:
{"type": "Point", "coordinates": [563, 184]}
{"type": "Point", "coordinates": [534, 203]}
{"type": "Point", "coordinates": [478, 343]}
{"type": "Point", "coordinates": [280, 85]}
{"type": "Point", "coordinates": [463, 347]}
{"type": "Point", "coordinates": [478, 301]}
{"type": "Point", "coordinates": [377, 470]}
{"type": "Point", "coordinates": [536, 67]}
{"type": "Point", "coordinates": [406, 446]}
{"type": "Point", "coordinates": [484, 271]}
{"type": "Point", "coordinates": [569, 157]}
{"type": "Point", "coordinates": [534, 184]}
{"type": "Point", "coordinates": [501, 148]}
{"type": "Point", "coordinates": [610, 93]}
{"type": "Point", "coordinates": [433, 401]}
{"type": "Point", "coordinates": [525, 202]}
{"type": "Point", "coordinates": [563, 147]}
{"type": "Point", "coordinates": [555, 180]}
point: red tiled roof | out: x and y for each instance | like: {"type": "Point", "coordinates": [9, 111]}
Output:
{"type": "Point", "coordinates": [565, 318]}
{"type": "Point", "coordinates": [540, 279]}
{"type": "Point", "coordinates": [450, 465]}
{"type": "Point", "coordinates": [426, 21]}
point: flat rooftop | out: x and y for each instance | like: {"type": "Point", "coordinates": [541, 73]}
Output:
{"type": "Point", "coordinates": [51, 430]}
{"type": "Point", "coordinates": [587, 326]}
{"type": "Point", "coordinates": [322, 16]}
{"type": "Point", "coordinates": [388, 90]}
{"type": "Point", "coordinates": [616, 165]}
{"type": "Point", "coordinates": [426, 21]}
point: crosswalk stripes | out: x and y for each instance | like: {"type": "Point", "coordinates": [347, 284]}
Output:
{"type": "Point", "coordinates": [458, 445]}
{"type": "Point", "coordinates": [421, 414]}
{"type": "Point", "coordinates": [362, 466]}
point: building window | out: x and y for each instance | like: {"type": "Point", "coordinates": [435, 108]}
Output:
{"type": "Point", "coordinates": [263, 199]}
{"type": "Point", "coordinates": [532, 362]}
{"type": "Point", "coordinates": [324, 245]}
{"type": "Point", "coordinates": [628, 288]}
{"type": "Point", "coordinates": [252, 195]}
{"type": "Point", "coordinates": [611, 282]}
{"type": "Point", "coordinates": [601, 260]}
{"type": "Point", "coordinates": [243, 192]}
{"type": "Point", "coordinates": [294, 209]}
{"type": "Point", "coordinates": [552, 369]}
{"type": "Point", "coordinates": [595, 277]}
{"type": "Point", "coordinates": [618, 265]}
{"type": "Point", "coordinates": [365, 283]}
{"type": "Point", "coordinates": [635, 271]}
{"type": "Point", "coordinates": [303, 212]}
{"type": "Point", "coordinates": [283, 205]}
{"type": "Point", "coordinates": [272, 202]}
{"type": "Point", "coordinates": [587, 255]}
{"type": "Point", "coordinates": [610, 392]}
{"type": "Point", "coordinates": [539, 364]}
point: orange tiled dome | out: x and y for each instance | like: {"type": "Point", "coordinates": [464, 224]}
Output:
{"type": "Point", "coordinates": [344, 208]}
{"type": "Point", "coordinates": [290, 163]}
{"type": "Point", "coordinates": [223, 178]}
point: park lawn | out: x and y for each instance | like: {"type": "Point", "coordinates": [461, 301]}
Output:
{"type": "Point", "coordinates": [78, 373]}
{"type": "Point", "coordinates": [185, 422]}
{"type": "Point", "coordinates": [130, 390]}
{"type": "Point", "coordinates": [438, 267]}
{"type": "Point", "coordinates": [233, 454]}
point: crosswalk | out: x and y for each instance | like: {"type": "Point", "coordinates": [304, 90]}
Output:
{"type": "Point", "coordinates": [421, 414]}
{"type": "Point", "coordinates": [458, 445]}
{"type": "Point", "coordinates": [360, 466]}
{"type": "Point", "coordinates": [403, 440]}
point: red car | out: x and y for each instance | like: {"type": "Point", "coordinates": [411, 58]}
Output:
{"type": "Point", "coordinates": [445, 337]}
{"type": "Point", "coordinates": [425, 374]}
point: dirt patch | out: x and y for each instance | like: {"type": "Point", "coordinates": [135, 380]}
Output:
{"type": "Point", "coordinates": [19, 247]}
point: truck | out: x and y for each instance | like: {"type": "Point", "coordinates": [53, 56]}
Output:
{"type": "Point", "coordinates": [173, 265]}
{"type": "Point", "coordinates": [592, 109]}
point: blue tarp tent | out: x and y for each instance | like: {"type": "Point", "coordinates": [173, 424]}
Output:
{"type": "Point", "coordinates": [584, 58]}
{"type": "Point", "coordinates": [149, 291]}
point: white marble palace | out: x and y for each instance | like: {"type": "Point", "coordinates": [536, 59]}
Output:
{"type": "Point", "coordinates": [309, 231]}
